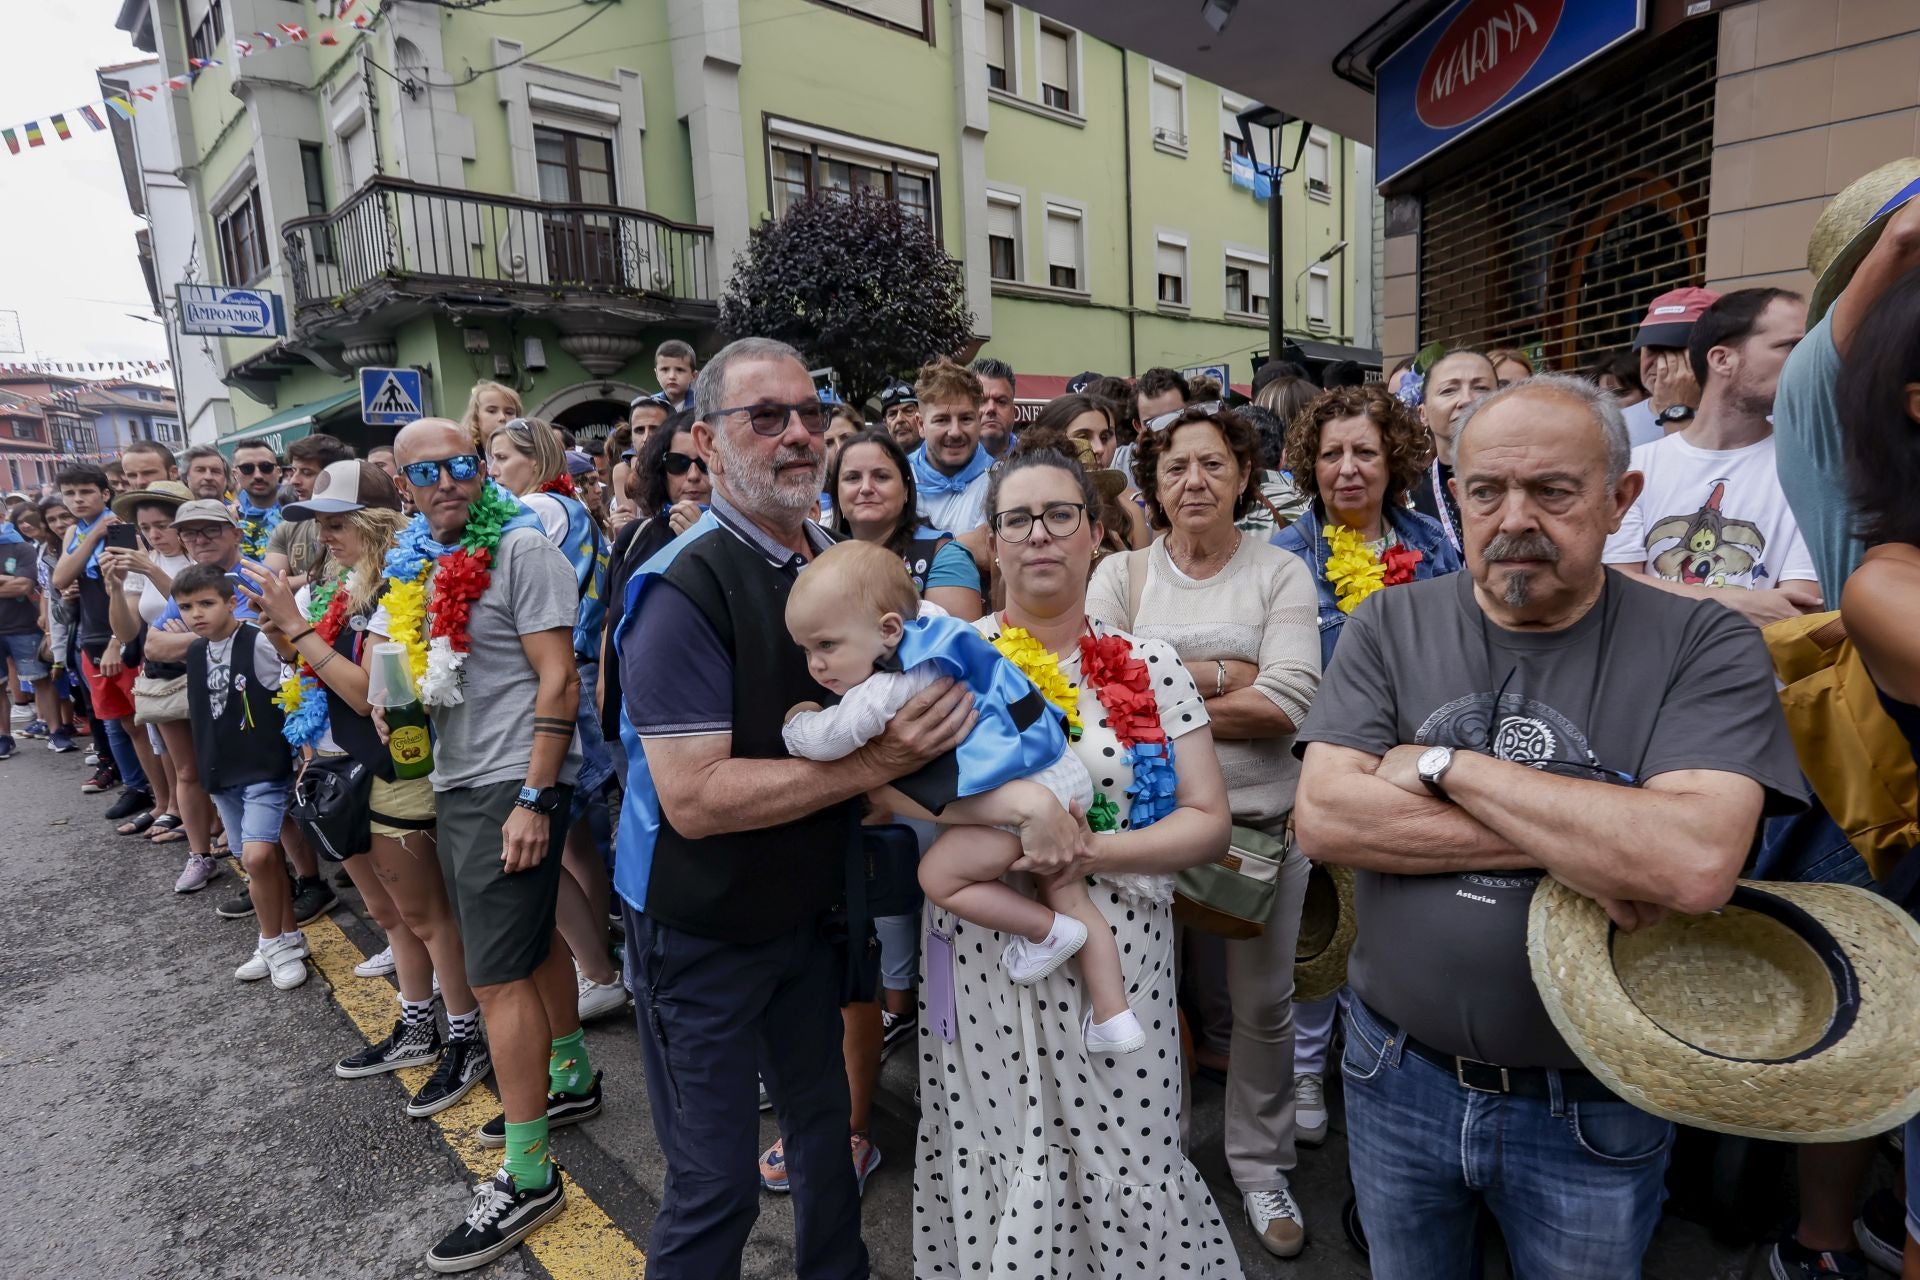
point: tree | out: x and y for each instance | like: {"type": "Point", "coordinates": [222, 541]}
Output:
{"type": "Point", "coordinates": [855, 283]}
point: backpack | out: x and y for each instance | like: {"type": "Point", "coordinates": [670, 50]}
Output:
{"type": "Point", "coordinates": [1857, 760]}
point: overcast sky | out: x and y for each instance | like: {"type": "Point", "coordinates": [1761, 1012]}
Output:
{"type": "Point", "coordinates": [67, 259]}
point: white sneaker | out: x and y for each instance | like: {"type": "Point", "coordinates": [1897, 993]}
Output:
{"type": "Point", "coordinates": [287, 965]}
{"type": "Point", "coordinates": [256, 966]}
{"type": "Point", "coordinates": [298, 943]}
{"type": "Point", "coordinates": [1121, 1033]}
{"type": "Point", "coordinates": [1276, 1219]}
{"type": "Point", "coordinates": [598, 999]}
{"type": "Point", "coordinates": [377, 965]}
{"type": "Point", "coordinates": [1309, 1109]}
{"type": "Point", "coordinates": [1027, 962]}
{"type": "Point", "coordinates": [200, 870]}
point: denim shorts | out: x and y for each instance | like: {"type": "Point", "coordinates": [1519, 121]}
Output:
{"type": "Point", "coordinates": [24, 650]}
{"type": "Point", "coordinates": [255, 811]}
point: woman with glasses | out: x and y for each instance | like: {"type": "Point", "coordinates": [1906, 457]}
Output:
{"type": "Point", "coordinates": [529, 460]}
{"type": "Point", "coordinates": [1027, 1140]}
{"type": "Point", "coordinates": [1239, 613]}
{"type": "Point", "coordinates": [875, 500]}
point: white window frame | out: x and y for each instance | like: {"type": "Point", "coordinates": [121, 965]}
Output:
{"type": "Point", "coordinates": [1010, 32]}
{"type": "Point", "coordinates": [1076, 94]}
{"type": "Point", "coordinates": [1076, 212]}
{"type": "Point", "coordinates": [1014, 201]}
{"type": "Point", "coordinates": [1231, 105]}
{"type": "Point", "coordinates": [879, 155]}
{"type": "Point", "coordinates": [1318, 144]}
{"type": "Point", "coordinates": [1173, 240]}
{"type": "Point", "coordinates": [1247, 260]}
{"type": "Point", "coordinates": [1177, 143]}
{"type": "Point", "coordinates": [1320, 275]}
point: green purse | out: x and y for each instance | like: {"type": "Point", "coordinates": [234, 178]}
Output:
{"type": "Point", "coordinates": [1232, 896]}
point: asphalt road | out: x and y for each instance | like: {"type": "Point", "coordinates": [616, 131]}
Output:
{"type": "Point", "coordinates": [169, 1121]}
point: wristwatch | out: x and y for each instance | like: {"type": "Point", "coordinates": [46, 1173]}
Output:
{"type": "Point", "coordinates": [1675, 413]}
{"type": "Point", "coordinates": [541, 800]}
{"type": "Point", "coordinates": [1433, 765]}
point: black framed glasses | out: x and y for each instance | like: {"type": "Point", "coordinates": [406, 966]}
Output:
{"type": "Point", "coordinates": [676, 464]}
{"type": "Point", "coordinates": [1060, 518]}
{"type": "Point", "coordinates": [461, 466]}
{"type": "Point", "coordinates": [771, 419]}
{"type": "Point", "coordinates": [256, 468]}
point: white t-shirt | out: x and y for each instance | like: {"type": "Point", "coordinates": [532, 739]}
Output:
{"type": "Point", "coordinates": [1711, 517]}
{"type": "Point", "coordinates": [1642, 426]}
{"type": "Point", "coordinates": [152, 601]}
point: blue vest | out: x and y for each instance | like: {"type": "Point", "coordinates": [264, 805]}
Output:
{"type": "Point", "coordinates": [586, 551]}
{"type": "Point", "coordinates": [1019, 732]}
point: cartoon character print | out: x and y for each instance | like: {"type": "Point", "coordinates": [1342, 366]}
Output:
{"type": "Point", "coordinates": [1713, 550]}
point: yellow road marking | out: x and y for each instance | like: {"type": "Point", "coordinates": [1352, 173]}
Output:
{"type": "Point", "coordinates": [582, 1243]}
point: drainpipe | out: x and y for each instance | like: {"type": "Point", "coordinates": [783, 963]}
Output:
{"type": "Point", "coordinates": [1126, 169]}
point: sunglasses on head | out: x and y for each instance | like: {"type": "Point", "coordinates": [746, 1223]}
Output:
{"type": "Point", "coordinates": [676, 464]}
{"type": "Point", "coordinates": [461, 466]}
{"type": "Point", "coordinates": [256, 468]}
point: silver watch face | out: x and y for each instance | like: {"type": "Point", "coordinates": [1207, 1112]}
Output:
{"type": "Point", "coordinates": [1433, 760]}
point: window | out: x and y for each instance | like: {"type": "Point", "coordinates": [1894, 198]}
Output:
{"type": "Point", "coordinates": [312, 174]}
{"type": "Point", "coordinates": [1246, 285]}
{"type": "Point", "coordinates": [804, 161]}
{"type": "Point", "coordinates": [1319, 288]}
{"type": "Point", "coordinates": [1231, 143]}
{"type": "Point", "coordinates": [242, 232]}
{"type": "Point", "coordinates": [1064, 245]}
{"type": "Point", "coordinates": [999, 48]}
{"type": "Point", "coordinates": [574, 168]}
{"type": "Point", "coordinates": [1170, 270]}
{"type": "Point", "coordinates": [1167, 100]}
{"type": "Point", "coordinates": [1056, 67]}
{"type": "Point", "coordinates": [204, 36]}
{"type": "Point", "coordinates": [907, 15]}
{"type": "Point", "coordinates": [1319, 159]}
{"type": "Point", "coordinates": [1003, 236]}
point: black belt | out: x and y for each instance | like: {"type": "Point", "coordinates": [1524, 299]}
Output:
{"type": "Point", "coordinates": [1576, 1084]}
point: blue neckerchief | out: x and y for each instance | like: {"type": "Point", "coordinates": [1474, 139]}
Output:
{"type": "Point", "coordinates": [8, 533]}
{"type": "Point", "coordinates": [78, 534]}
{"type": "Point", "coordinates": [416, 544]}
{"type": "Point", "coordinates": [931, 480]}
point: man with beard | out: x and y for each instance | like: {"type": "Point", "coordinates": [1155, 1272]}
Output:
{"type": "Point", "coordinates": [900, 410]}
{"type": "Point", "coordinates": [1536, 714]}
{"type": "Point", "coordinates": [1455, 381]}
{"type": "Point", "coordinates": [950, 468]}
{"type": "Point", "coordinates": [1712, 521]}
{"type": "Point", "coordinates": [996, 404]}
{"type": "Point", "coordinates": [257, 499]}
{"type": "Point", "coordinates": [731, 853]}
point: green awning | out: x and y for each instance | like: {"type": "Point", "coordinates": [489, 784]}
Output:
{"type": "Point", "coordinates": [283, 428]}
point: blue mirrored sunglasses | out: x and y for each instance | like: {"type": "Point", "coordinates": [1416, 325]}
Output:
{"type": "Point", "coordinates": [461, 466]}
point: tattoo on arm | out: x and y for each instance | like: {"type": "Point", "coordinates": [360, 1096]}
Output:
{"type": "Point", "coordinates": [554, 730]}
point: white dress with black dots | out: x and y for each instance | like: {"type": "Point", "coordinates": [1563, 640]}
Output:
{"type": "Point", "coordinates": [1032, 1159]}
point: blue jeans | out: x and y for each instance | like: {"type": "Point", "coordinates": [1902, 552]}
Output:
{"type": "Point", "coordinates": [1809, 848]}
{"type": "Point", "coordinates": [1575, 1187]}
{"type": "Point", "coordinates": [125, 758]}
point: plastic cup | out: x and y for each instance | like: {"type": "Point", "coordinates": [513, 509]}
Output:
{"type": "Point", "coordinates": [390, 679]}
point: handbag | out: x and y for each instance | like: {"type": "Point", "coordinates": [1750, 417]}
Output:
{"type": "Point", "coordinates": [159, 701]}
{"type": "Point", "coordinates": [333, 803]}
{"type": "Point", "coordinates": [1232, 896]}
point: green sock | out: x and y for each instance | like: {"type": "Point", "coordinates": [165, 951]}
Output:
{"type": "Point", "coordinates": [568, 1070]}
{"type": "Point", "coordinates": [527, 1160]}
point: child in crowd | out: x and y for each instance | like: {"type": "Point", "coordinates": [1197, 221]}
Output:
{"type": "Point", "coordinates": [870, 640]}
{"type": "Point", "coordinates": [673, 369]}
{"type": "Point", "coordinates": [490, 406]}
{"type": "Point", "coordinates": [232, 675]}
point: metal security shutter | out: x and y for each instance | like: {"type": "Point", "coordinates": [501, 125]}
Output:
{"type": "Point", "coordinates": [1564, 237]}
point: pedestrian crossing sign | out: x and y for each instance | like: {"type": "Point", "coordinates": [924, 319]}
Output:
{"type": "Point", "coordinates": [391, 397]}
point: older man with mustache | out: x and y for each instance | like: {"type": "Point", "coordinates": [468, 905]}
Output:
{"type": "Point", "coordinates": [1535, 715]}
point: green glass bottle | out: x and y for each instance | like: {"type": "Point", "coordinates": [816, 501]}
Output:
{"type": "Point", "coordinates": [410, 740]}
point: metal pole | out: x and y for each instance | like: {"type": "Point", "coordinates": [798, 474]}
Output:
{"type": "Point", "coordinates": [1276, 301]}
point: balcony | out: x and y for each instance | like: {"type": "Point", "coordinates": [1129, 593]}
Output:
{"type": "Point", "coordinates": [397, 248]}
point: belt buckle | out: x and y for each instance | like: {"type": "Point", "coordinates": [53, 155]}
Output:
{"type": "Point", "coordinates": [1460, 1066]}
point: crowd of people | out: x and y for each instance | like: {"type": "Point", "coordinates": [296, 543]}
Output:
{"type": "Point", "coordinates": [713, 702]}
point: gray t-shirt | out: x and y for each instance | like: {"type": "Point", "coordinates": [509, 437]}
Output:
{"type": "Point", "coordinates": [1810, 452]}
{"type": "Point", "coordinates": [489, 736]}
{"type": "Point", "coordinates": [1646, 683]}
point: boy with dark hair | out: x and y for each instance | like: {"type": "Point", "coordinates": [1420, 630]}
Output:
{"type": "Point", "coordinates": [673, 368]}
{"type": "Point", "coordinates": [1160, 391]}
{"type": "Point", "coordinates": [294, 547]}
{"type": "Point", "coordinates": [232, 675]}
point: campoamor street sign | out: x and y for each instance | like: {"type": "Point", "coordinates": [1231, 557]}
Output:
{"type": "Point", "coordinates": [212, 311]}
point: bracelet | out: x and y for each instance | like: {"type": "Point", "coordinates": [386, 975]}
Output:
{"type": "Point", "coordinates": [1220, 680]}
{"type": "Point", "coordinates": [297, 638]}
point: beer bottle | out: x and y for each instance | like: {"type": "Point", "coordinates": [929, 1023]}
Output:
{"type": "Point", "coordinates": [409, 734]}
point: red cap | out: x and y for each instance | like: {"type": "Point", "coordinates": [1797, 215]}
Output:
{"type": "Point", "coordinates": [1670, 318]}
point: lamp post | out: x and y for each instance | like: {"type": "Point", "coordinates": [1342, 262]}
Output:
{"type": "Point", "coordinates": [1270, 121]}
{"type": "Point", "coordinates": [1339, 247]}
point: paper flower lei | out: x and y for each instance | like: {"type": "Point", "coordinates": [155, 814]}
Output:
{"type": "Point", "coordinates": [561, 484]}
{"type": "Point", "coordinates": [436, 635]}
{"type": "Point", "coordinates": [1125, 689]}
{"type": "Point", "coordinates": [1039, 665]}
{"type": "Point", "coordinates": [256, 529]}
{"type": "Point", "coordinates": [301, 696]}
{"type": "Point", "coordinates": [1356, 572]}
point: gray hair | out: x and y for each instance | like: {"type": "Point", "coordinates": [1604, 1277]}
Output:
{"type": "Point", "coordinates": [711, 386]}
{"type": "Point", "coordinates": [1598, 403]}
{"type": "Point", "coordinates": [205, 451]}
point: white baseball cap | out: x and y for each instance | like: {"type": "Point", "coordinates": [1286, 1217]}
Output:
{"type": "Point", "coordinates": [347, 485]}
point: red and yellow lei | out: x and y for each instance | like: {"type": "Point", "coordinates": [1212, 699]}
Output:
{"type": "Point", "coordinates": [1356, 571]}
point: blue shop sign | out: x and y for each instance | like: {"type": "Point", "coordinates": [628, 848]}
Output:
{"type": "Point", "coordinates": [1479, 58]}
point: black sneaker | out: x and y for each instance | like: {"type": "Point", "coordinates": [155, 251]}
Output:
{"type": "Point", "coordinates": [896, 1029]}
{"type": "Point", "coordinates": [562, 1108]}
{"type": "Point", "coordinates": [312, 898]}
{"type": "Point", "coordinates": [238, 907]}
{"type": "Point", "coordinates": [500, 1217]}
{"type": "Point", "coordinates": [105, 778]}
{"type": "Point", "coordinates": [463, 1064]}
{"type": "Point", "coordinates": [129, 803]}
{"type": "Point", "coordinates": [408, 1046]}
{"type": "Point", "coordinates": [1881, 1230]}
{"type": "Point", "coordinates": [1791, 1260]}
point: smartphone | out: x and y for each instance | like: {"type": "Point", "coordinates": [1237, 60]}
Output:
{"type": "Point", "coordinates": [123, 537]}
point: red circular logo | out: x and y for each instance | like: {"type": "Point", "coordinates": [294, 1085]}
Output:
{"type": "Point", "coordinates": [1484, 52]}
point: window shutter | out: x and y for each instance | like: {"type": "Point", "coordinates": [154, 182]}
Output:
{"type": "Point", "coordinates": [1003, 220]}
{"type": "Point", "coordinates": [1053, 58]}
{"type": "Point", "coordinates": [1166, 106]}
{"type": "Point", "coordinates": [1170, 260]}
{"type": "Point", "coordinates": [997, 38]}
{"type": "Point", "coordinates": [1063, 239]}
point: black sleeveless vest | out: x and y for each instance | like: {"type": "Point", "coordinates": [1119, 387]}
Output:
{"type": "Point", "coordinates": [352, 732]}
{"type": "Point", "coordinates": [243, 745]}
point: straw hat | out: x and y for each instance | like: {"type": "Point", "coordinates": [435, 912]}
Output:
{"type": "Point", "coordinates": [1850, 226]}
{"type": "Point", "coordinates": [1327, 927]}
{"type": "Point", "coordinates": [166, 492]}
{"type": "Point", "coordinates": [1789, 1014]}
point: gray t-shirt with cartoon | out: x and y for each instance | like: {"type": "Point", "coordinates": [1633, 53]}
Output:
{"type": "Point", "coordinates": [1646, 683]}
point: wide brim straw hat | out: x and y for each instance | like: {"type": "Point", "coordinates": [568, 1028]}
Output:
{"type": "Point", "coordinates": [1327, 929]}
{"type": "Point", "coordinates": [1790, 1014]}
{"type": "Point", "coordinates": [165, 492]}
{"type": "Point", "coordinates": [1850, 226]}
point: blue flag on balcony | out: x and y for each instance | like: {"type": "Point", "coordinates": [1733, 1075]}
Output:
{"type": "Point", "coordinates": [1245, 176]}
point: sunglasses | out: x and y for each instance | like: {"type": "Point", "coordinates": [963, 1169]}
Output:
{"type": "Point", "coordinates": [676, 464]}
{"type": "Point", "coordinates": [1161, 421]}
{"type": "Point", "coordinates": [771, 419]}
{"type": "Point", "coordinates": [256, 468]}
{"type": "Point", "coordinates": [461, 466]}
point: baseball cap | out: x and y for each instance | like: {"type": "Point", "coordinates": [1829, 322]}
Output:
{"type": "Point", "coordinates": [160, 491]}
{"type": "Point", "coordinates": [1671, 316]}
{"type": "Point", "coordinates": [204, 511]}
{"type": "Point", "coordinates": [347, 485]}
{"type": "Point", "coordinates": [1079, 382]}
{"type": "Point", "coordinates": [578, 463]}
{"type": "Point", "coordinates": [897, 393]}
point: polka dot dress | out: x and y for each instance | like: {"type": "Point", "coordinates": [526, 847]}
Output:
{"type": "Point", "coordinates": [1033, 1158]}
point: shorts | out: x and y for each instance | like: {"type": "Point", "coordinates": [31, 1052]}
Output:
{"type": "Point", "coordinates": [24, 652]}
{"type": "Point", "coordinates": [506, 921]}
{"type": "Point", "coordinates": [402, 807]}
{"type": "Point", "coordinates": [112, 697]}
{"type": "Point", "coordinates": [255, 810]}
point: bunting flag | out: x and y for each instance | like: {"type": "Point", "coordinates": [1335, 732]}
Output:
{"type": "Point", "coordinates": [59, 123]}
{"type": "Point", "coordinates": [13, 141]}
{"type": "Point", "coordinates": [295, 32]}
{"type": "Point", "coordinates": [34, 138]}
{"type": "Point", "coordinates": [121, 107]}
{"type": "Point", "coordinates": [92, 117]}
{"type": "Point", "coordinates": [241, 48]}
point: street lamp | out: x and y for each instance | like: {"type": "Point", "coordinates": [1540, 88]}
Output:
{"type": "Point", "coordinates": [1339, 247]}
{"type": "Point", "coordinates": [1269, 121]}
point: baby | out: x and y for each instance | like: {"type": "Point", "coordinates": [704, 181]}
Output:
{"type": "Point", "coordinates": [869, 639]}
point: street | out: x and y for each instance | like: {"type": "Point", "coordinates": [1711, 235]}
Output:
{"type": "Point", "coordinates": [171, 1121]}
